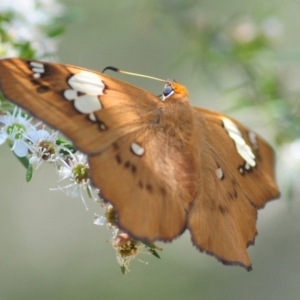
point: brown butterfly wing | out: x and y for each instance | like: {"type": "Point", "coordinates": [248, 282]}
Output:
{"type": "Point", "coordinates": [44, 98]}
{"type": "Point", "coordinates": [150, 192]}
{"type": "Point", "coordinates": [147, 191]}
{"type": "Point", "coordinates": [222, 219]}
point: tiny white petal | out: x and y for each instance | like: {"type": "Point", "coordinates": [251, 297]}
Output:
{"type": "Point", "coordinates": [65, 172]}
{"type": "Point", "coordinates": [3, 137]}
{"type": "Point", "coordinates": [100, 221]}
{"type": "Point", "coordinates": [20, 148]}
{"type": "Point", "coordinates": [33, 160]}
{"type": "Point", "coordinates": [36, 135]}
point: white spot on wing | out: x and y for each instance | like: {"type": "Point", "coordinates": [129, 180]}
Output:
{"type": "Point", "coordinates": [85, 89]}
{"type": "Point", "coordinates": [35, 64]}
{"type": "Point", "coordinates": [137, 149]}
{"type": "Point", "coordinates": [219, 173]}
{"type": "Point", "coordinates": [242, 148]}
{"type": "Point", "coordinates": [253, 140]}
{"type": "Point", "coordinates": [70, 94]}
{"type": "Point", "coordinates": [87, 82]}
{"type": "Point", "coordinates": [92, 117]}
{"type": "Point", "coordinates": [37, 69]}
{"type": "Point", "coordinates": [87, 104]}
{"type": "Point", "coordinates": [102, 126]}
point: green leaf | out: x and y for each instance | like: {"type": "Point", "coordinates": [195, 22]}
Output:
{"type": "Point", "coordinates": [153, 252]}
{"type": "Point", "coordinates": [24, 161]}
{"type": "Point", "coordinates": [67, 145]}
{"type": "Point", "coordinates": [150, 247]}
{"type": "Point", "coordinates": [25, 50]}
{"type": "Point", "coordinates": [29, 172]}
{"type": "Point", "coordinates": [88, 190]}
{"type": "Point", "coordinates": [54, 32]}
{"type": "Point", "coordinates": [123, 270]}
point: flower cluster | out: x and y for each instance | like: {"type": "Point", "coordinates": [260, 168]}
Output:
{"type": "Point", "coordinates": [125, 246]}
{"type": "Point", "coordinates": [30, 28]}
{"type": "Point", "coordinates": [36, 144]}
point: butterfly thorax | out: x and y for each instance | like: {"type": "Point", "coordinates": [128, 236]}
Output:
{"type": "Point", "coordinates": [173, 123]}
{"type": "Point", "coordinates": [175, 114]}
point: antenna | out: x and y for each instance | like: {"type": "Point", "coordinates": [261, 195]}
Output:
{"type": "Point", "coordinates": [133, 74]}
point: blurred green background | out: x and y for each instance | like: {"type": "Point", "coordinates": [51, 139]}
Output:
{"type": "Point", "coordinates": [49, 247]}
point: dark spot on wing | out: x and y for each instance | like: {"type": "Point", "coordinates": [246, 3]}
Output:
{"type": "Point", "coordinates": [133, 169]}
{"type": "Point", "coordinates": [141, 184]}
{"type": "Point", "coordinates": [118, 159]}
{"type": "Point", "coordinates": [163, 191]}
{"type": "Point", "coordinates": [127, 164]}
{"type": "Point", "coordinates": [43, 89]}
{"type": "Point", "coordinates": [68, 78]}
{"type": "Point", "coordinates": [35, 82]}
{"type": "Point", "coordinates": [149, 188]}
{"type": "Point", "coordinates": [115, 146]}
{"type": "Point", "coordinates": [233, 195]}
{"type": "Point", "coordinates": [223, 209]}
{"type": "Point", "coordinates": [40, 88]}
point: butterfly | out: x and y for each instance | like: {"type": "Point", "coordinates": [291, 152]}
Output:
{"type": "Point", "coordinates": [164, 165]}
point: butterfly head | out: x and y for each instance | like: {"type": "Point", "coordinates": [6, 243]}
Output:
{"type": "Point", "coordinates": [174, 89]}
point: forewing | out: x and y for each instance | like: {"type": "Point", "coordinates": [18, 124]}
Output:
{"type": "Point", "coordinates": [90, 108]}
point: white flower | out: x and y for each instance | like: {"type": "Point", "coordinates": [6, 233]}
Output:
{"type": "Point", "coordinates": [43, 147]}
{"type": "Point", "coordinates": [245, 32]}
{"type": "Point", "coordinates": [100, 220]}
{"type": "Point", "coordinates": [272, 28]}
{"type": "Point", "coordinates": [15, 128]}
{"type": "Point", "coordinates": [76, 169]}
{"type": "Point", "coordinates": [28, 22]}
{"type": "Point", "coordinates": [126, 250]}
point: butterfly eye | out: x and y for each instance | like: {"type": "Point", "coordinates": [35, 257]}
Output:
{"type": "Point", "coordinates": [167, 91]}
